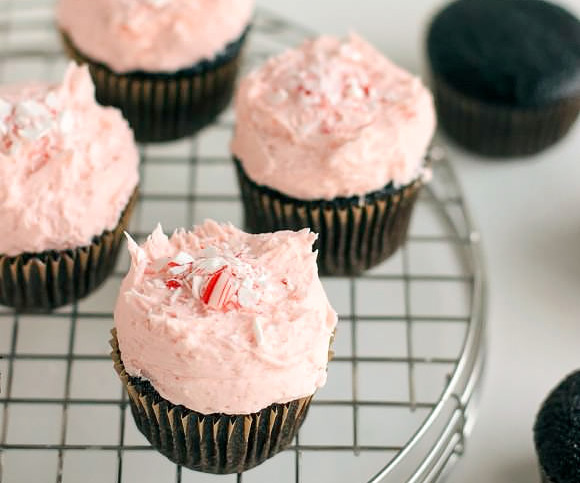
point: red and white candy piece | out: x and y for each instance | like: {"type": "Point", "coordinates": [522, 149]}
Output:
{"type": "Point", "coordinates": [180, 263]}
{"type": "Point", "coordinates": [175, 269]}
{"type": "Point", "coordinates": [183, 258]}
{"type": "Point", "coordinates": [196, 285]}
{"type": "Point", "coordinates": [216, 279]}
{"type": "Point", "coordinates": [258, 330]}
{"type": "Point", "coordinates": [219, 289]}
{"type": "Point", "coordinates": [210, 265]}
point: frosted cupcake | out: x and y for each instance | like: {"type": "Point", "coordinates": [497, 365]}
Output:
{"type": "Point", "coordinates": [68, 176]}
{"type": "Point", "coordinates": [169, 65]}
{"type": "Point", "coordinates": [333, 136]}
{"type": "Point", "coordinates": [221, 339]}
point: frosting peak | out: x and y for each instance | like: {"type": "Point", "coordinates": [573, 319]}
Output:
{"type": "Point", "coordinates": [67, 165]}
{"type": "Point", "coordinates": [223, 321]}
{"type": "Point", "coordinates": [332, 118]}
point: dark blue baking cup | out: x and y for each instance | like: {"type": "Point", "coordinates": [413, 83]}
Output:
{"type": "Point", "coordinates": [211, 443]}
{"type": "Point", "coordinates": [506, 74]}
{"type": "Point", "coordinates": [354, 234]}
{"type": "Point", "coordinates": [41, 282]}
{"type": "Point", "coordinates": [502, 131]}
{"type": "Point", "coordinates": [167, 106]}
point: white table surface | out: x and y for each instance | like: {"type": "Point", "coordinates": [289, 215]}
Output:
{"type": "Point", "coordinates": [528, 212]}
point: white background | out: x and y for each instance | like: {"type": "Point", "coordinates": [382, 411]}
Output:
{"type": "Point", "coordinates": [529, 214]}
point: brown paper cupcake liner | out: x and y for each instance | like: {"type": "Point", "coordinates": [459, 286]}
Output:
{"type": "Point", "coordinates": [215, 443]}
{"type": "Point", "coordinates": [494, 130]}
{"type": "Point", "coordinates": [164, 107]}
{"type": "Point", "coordinates": [41, 282]}
{"type": "Point", "coordinates": [354, 234]}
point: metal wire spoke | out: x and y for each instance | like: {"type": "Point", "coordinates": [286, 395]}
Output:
{"type": "Point", "coordinates": [9, 381]}
{"type": "Point", "coordinates": [399, 401]}
{"type": "Point", "coordinates": [65, 402]}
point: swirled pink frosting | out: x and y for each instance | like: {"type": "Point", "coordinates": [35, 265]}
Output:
{"type": "Point", "coordinates": [332, 118]}
{"type": "Point", "coordinates": [153, 35]}
{"type": "Point", "coordinates": [222, 321]}
{"type": "Point", "coordinates": [67, 165]}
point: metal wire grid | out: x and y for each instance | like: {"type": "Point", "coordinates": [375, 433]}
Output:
{"type": "Point", "coordinates": [185, 182]}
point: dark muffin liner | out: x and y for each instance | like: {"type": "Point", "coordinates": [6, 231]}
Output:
{"type": "Point", "coordinates": [494, 130]}
{"type": "Point", "coordinates": [355, 234]}
{"type": "Point", "coordinates": [215, 443]}
{"type": "Point", "coordinates": [164, 107]}
{"type": "Point", "coordinates": [544, 478]}
{"type": "Point", "coordinates": [41, 282]}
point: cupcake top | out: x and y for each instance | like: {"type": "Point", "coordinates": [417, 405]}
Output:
{"type": "Point", "coordinates": [332, 118]}
{"type": "Point", "coordinates": [519, 53]}
{"type": "Point", "coordinates": [557, 432]}
{"type": "Point", "coordinates": [68, 166]}
{"type": "Point", "coordinates": [153, 35]}
{"type": "Point", "coordinates": [222, 321]}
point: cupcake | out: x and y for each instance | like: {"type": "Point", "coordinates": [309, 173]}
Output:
{"type": "Point", "coordinates": [169, 65]}
{"type": "Point", "coordinates": [506, 74]}
{"type": "Point", "coordinates": [333, 136]}
{"type": "Point", "coordinates": [221, 340]}
{"type": "Point", "coordinates": [557, 433]}
{"type": "Point", "coordinates": [68, 177]}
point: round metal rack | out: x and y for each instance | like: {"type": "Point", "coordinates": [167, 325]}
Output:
{"type": "Point", "coordinates": [402, 388]}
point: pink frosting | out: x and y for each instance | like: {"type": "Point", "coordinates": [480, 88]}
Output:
{"type": "Point", "coordinates": [153, 35]}
{"type": "Point", "coordinates": [67, 165]}
{"type": "Point", "coordinates": [225, 322]}
{"type": "Point", "coordinates": [332, 118]}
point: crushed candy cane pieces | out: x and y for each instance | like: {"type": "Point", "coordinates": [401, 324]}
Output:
{"type": "Point", "coordinates": [221, 281]}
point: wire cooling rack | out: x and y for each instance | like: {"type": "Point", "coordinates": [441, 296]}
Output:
{"type": "Point", "coordinates": [400, 394]}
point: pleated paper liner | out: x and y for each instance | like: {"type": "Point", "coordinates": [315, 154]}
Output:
{"type": "Point", "coordinates": [215, 443]}
{"type": "Point", "coordinates": [494, 130]}
{"type": "Point", "coordinates": [164, 107]}
{"type": "Point", "coordinates": [354, 234]}
{"type": "Point", "coordinates": [45, 281]}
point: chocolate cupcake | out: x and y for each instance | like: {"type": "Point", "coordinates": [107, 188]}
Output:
{"type": "Point", "coordinates": [68, 178]}
{"type": "Point", "coordinates": [169, 65]}
{"type": "Point", "coordinates": [557, 433]}
{"type": "Point", "coordinates": [506, 74]}
{"type": "Point", "coordinates": [221, 339]}
{"type": "Point", "coordinates": [333, 136]}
